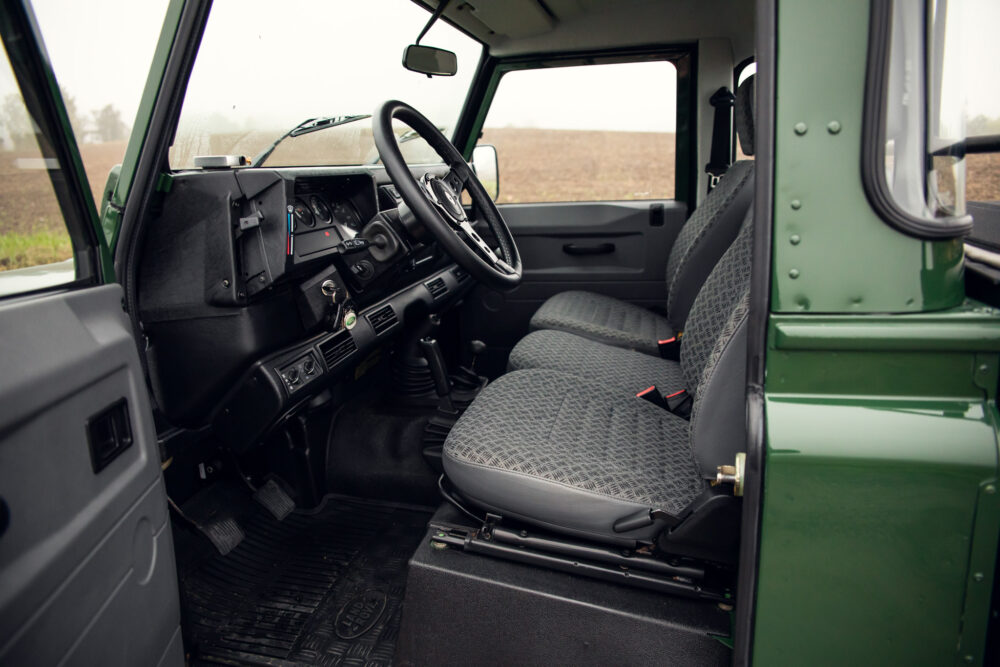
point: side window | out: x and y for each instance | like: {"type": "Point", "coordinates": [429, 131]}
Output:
{"type": "Point", "coordinates": [585, 133]}
{"type": "Point", "coordinates": [35, 247]}
{"type": "Point", "coordinates": [36, 251]}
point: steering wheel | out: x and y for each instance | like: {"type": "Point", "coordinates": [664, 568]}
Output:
{"type": "Point", "coordinates": [437, 201]}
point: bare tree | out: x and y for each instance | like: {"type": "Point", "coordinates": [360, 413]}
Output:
{"type": "Point", "coordinates": [14, 119]}
{"type": "Point", "coordinates": [77, 121]}
{"type": "Point", "coordinates": [109, 124]}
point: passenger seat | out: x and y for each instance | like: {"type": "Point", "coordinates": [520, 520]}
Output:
{"type": "Point", "coordinates": [702, 241]}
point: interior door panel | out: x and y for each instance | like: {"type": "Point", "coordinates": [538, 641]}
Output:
{"type": "Point", "coordinates": [87, 573]}
{"type": "Point", "coordinates": [615, 248]}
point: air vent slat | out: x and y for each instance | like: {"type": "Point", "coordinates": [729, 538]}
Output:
{"type": "Point", "coordinates": [337, 349]}
{"type": "Point", "coordinates": [382, 319]}
{"type": "Point", "coordinates": [437, 287]}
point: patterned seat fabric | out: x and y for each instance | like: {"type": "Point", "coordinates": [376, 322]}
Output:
{"type": "Point", "coordinates": [576, 454]}
{"type": "Point", "coordinates": [603, 319]}
{"type": "Point", "coordinates": [699, 245]}
{"type": "Point", "coordinates": [550, 447]}
{"type": "Point", "coordinates": [609, 366]}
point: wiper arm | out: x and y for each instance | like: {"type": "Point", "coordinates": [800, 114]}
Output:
{"type": "Point", "coordinates": [305, 127]}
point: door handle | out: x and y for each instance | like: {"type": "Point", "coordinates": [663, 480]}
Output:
{"type": "Point", "coordinates": [598, 249]}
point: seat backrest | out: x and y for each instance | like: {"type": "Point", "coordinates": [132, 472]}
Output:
{"type": "Point", "coordinates": [713, 226]}
{"type": "Point", "coordinates": [713, 356]}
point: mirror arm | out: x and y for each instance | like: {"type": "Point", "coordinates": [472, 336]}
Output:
{"type": "Point", "coordinates": [442, 5]}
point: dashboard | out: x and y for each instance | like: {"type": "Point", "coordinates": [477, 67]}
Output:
{"type": "Point", "coordinates": [259, 286]}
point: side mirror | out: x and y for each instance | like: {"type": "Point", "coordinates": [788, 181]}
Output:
{"type": "Point", "coordinates": [484, 163]}
{"type": "Point", "coordinates": [430, 61]}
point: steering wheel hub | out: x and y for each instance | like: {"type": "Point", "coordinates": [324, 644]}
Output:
{"type": "Point", "coordinates": [444, 196]}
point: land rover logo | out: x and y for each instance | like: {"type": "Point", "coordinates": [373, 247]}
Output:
{"type": "Point", "coordinates": [360, 614]}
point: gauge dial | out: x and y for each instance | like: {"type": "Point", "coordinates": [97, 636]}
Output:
{"type": "Point", "coordinates": [346, 214]}
{"type": "Point", "coordinates": [320, 210]}
{"type": "Point", "coordinates": [303, 216]}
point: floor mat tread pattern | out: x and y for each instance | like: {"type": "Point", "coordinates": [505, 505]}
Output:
{"type": "Point", "coordinates": [324, 588]}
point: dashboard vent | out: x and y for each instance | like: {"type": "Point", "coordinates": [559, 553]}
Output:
{"type": "Point", "coordinates": [437, 287]}
{"type": "Point", "coordinates": [382, 319]}
{"type": "Point", "coordinates": [337, 349]}
{"type": "Point", "coordinates": [459, 273]}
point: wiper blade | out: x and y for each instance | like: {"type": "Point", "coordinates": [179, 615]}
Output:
{"type": "Point", "coordinates": [305, 127]}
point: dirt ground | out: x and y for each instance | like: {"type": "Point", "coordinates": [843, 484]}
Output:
{"type": "Point", "coordinates": [577, 165]}
{"type": "Point", "coordinates": [535, 165]}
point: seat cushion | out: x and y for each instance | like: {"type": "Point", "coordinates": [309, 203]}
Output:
{"type": "Point", "coordinates": [608, 366]}
{"type": "Point", "coordinates": [569, 454]}
{"type": "Point", "coordinates": [604, 319]}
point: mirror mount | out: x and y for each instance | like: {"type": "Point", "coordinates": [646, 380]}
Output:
{"type": "Point", "coordinates": [427, 59]}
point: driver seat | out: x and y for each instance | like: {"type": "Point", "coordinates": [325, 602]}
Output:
{"type": "Point", "coordinates": [699, 245]}
{"type": "Point", "coordinates": [578, 457]}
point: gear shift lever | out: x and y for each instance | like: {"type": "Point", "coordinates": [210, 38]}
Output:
{"type": "Point", "coordinates": [435, 362]}
{"type": "Point", "coordinates": [476, 347]}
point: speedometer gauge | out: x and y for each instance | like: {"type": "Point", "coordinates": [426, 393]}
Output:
{"type": "Point", "coordinates": [320, 210]}
{"type": "Point", "coordinates": [346, 214]}
{"type": "Point", "coordinates": [303, 216]}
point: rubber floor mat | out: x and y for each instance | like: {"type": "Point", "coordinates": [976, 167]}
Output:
{"type": "Point", "coordinates": [321, 588]}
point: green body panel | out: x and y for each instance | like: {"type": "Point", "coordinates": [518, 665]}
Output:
{"type": "Point", "coordinates": [844, 257]}
{"type": "Point", "coordinates": [112, 207]}
{"type": "Point", "coordinates": [881, 436]}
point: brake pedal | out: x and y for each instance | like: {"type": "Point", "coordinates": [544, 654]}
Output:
{"type": "Point", "coordinates": [224, 534]}
{"type": "Point", "coordinates": [275, 500]}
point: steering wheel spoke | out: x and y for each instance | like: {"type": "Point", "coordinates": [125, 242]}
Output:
{"type": "Point", "coordinates": [476, 241]}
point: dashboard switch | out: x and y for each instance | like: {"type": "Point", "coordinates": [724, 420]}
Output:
{"type": "Point", "coordinates": [357, 244]}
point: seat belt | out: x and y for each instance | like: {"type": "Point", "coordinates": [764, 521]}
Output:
{"type": "Point", "coordinates": [722, 100]}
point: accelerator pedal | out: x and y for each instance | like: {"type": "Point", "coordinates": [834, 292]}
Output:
{"type": "Point", "coordinates": [275, 500]}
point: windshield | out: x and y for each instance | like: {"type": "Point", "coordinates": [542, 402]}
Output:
{"type": "Point", "coordinates": [264, 67]}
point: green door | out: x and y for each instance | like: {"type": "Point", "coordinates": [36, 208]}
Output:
{"type": "Point", "coordinates": [87, 573]}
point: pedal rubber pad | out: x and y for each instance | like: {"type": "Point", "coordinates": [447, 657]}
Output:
{"type": "Point", "coordinates": [275, 500]}
{"type": "Point", "coordinates": [224, 533]}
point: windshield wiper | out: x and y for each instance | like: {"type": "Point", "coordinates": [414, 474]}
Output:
{"type": "Point", "coordinates": [305, 127]}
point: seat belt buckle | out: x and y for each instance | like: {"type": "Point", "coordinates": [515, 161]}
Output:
{"type": "Point", "coordinates": [670, 348]}
{"type": "Point", "coordinates": [680, 403]}
{"type": "Point", "coordinates": [653, 396]}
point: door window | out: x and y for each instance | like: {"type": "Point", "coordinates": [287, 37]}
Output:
{"type": "Point", "coordinates": [35, 247]}
{"type": "Point", "coordinates": [585, 133]}
{"type": "Point", "coordinates": [36, 250]}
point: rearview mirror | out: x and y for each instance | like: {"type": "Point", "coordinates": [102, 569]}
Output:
{"type": "Point", "coordinates": [430, 61]}
{"type": "Point", "coordinates": [484, 163]}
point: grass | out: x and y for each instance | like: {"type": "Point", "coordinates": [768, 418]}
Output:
{"type": "Point", "coordinates": [18, 251]}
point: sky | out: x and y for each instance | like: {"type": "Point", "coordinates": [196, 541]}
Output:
{"type": "Point", "coordinates": [276, 63]}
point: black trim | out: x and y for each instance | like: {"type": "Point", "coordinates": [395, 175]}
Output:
{"type": "Point", "coordinates": [29, 62]}
{"type": "Point", "coordinates": [757, 323]}
{"type": "Point", "coordinates": [873, 140]}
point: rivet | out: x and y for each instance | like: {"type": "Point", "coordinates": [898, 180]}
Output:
{"type": "Point", "coordinates": [990, 489]}
{"type": "Point", "coordinates": [969, 659]}
{"type": "Point", "coordinates": [795, 239]}
{"type": "Point", "coordinates": [833, 127]}
{"type": "Point", "coordinates": [978, 576]}
{"type": "Point", "coordinates": [225, 282]}
{"type": "Point", "coordinates": [983, 368]}
{"type": "Point", "coordinates": [800, 128]}
{"type": "Point", "coordinates": [262, 279]}
{"type": "Point", "coordinates": [796, 204]}
{"type": "Point", "coordinates": [793, 274]}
